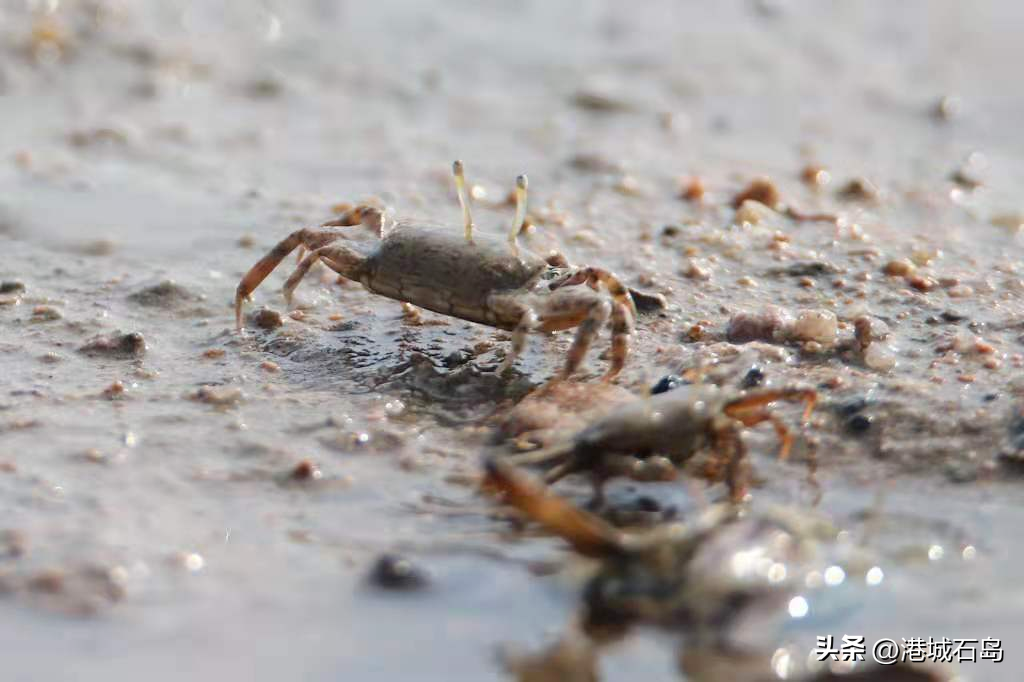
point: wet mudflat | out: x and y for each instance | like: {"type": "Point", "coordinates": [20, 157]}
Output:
{"type": "Point", "coordinates": [179, 499]}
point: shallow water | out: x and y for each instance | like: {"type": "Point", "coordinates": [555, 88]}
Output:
{"type": "Point", "coordinates": [142, 141]}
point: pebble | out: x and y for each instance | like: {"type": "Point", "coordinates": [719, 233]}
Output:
{"type": "Point", "coordinates": [218, 395]}
{"type": "Point", "coordinates": [760, 190]}
{"type": "Point", "coordinates": [668, 383]}
{"type": "Point", "coordinates": [270, 366]}
{"type": "Point", "coordinates": [859, 189]}
{"type": "Point", "coordinates": [753, 378]}
{"type": "Point", "coordinates": [695, 271]}
{"type": "Point", "coordinates": [869, 329]}
{"type": "Point", "coordinates": [815, 176]}
{"type": "Point", "coordinates": [393, 572]}
{"type": "Point", "coordinates": [902, 267]}
{"type": "Point", "coordinates": [753, 212]}
{"type": "Point", "coordinates": [760, 326]}
{"type": "Point", "coordinates": [692, 190]}
{"type": "Point", "coordinates": [960, 291]}
{"type": "Point", "coordinates": [922, 283]}
{"type": "Point", "coordinates": [859, 423]}
{"type": "Point", "coordinates": [11, 287]}
{"type": "Point", "coordinates": [131, 345]}
{"type": "Point", "coordinates": [46, 313]}
{"type": "Point", "coordinates": [880, 357]}
{"type": "Point", "coordinates": [306, 470]}
{"type": "Point", "coordinates": [816, 325]}
{"type": "Point", "coordinates": [266, 318]}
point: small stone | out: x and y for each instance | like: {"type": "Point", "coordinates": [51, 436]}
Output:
{"type": "Point", "coordinates": [816, 325]}
{"type": "Point", "coordinates": [753, 378]}
{"type": "Point", "coordinates": [960, 291]}
{"type": "Point", "coordinates": [693, 190]}
{"type": "Point", "coordinates": [947, 108]}
{"type": "Point", "coordinates": [392, 572]}
{"type": "Point", "coordinates": [922, 283]}
{"type": "Point", "coordinates": [760, 326]}
{"type": "Point", "coordinates": [747, 282]}
{"type": "Point", "coordinates": [114, 390]}
{"type": "Point", "coordinates": [760, 190]}
{"type": "Point", "coordinates": [880, 357]}
{"type": "Point", "coordinates": [306, 470]}
{"type": "Point", "coordinates": [218, 395]}
{"type": "Point", "coordinates": [270, 366]}
{"type": "Point", "coordinates": [869, 329]}
{"type": "Point", "coordinates": [46, 313]}
{"type": "Point", "coordinates": [117, 345]}
{"type": "Point", "coordinates": [815, 176]}
{"type": "Point", "coordinates": [899, 268]}
{"type": "Point", "coordinates": [859, 189]}
{"type": "Point", "coordinates": [859, 424]}
{"type": "Point", "coordinates": [11, 287]}
{"type": "Point", "coordinates": [695, 271]}
{"type": "Point", "coordinates": [754, 213]}
{"type": "Point", "coordinates": [668, 383]}
{"type": "Point", "coordinates": [266, 318]}
{"type": "Point", "coordinates": [214, 353]}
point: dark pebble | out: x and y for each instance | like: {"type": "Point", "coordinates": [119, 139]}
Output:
{"type": "Point", "coordinates": [753, 378]}
{"type": "Point", "coordinates": [668, 383]}
{"type": "Point", "coordinates": [392, 572]}
{"type": "Point", "coordinates": [11, 287]}
{"type": "Point", "coordinates": [117, 345]}
{"type": "Point", "coordinates": [457, 358]}
{"type": "Point", "coordinates": [859, 423]}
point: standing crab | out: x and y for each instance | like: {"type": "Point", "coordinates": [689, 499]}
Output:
{"type": "Point", "coordinates": [646, 438]}
{"type": "Point", "coordinates": [470, 276]}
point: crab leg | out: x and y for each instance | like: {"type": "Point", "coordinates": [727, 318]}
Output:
{"type": "Point", "coordinates": [306, 237]}
{"type": "Point", "coordinates": [747, 403]}
{"type": "Point", "coordinates": [597, 315]}
{"type": "Point", "coordinates": [343, 260]}
{"type": "Point", "coordinates": [588, 534]}
{"type": "Point", "coordinates": [750, 411]}
{"type": "Point", "coordinates": [266, 265]}
{"type": "Point", "coordinates": [527, 323]}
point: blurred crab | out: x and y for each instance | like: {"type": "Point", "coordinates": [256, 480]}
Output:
{"type": "Point", "coordinates": [721, 580]}
{"type": "Point", "coordinates": [468, 275]}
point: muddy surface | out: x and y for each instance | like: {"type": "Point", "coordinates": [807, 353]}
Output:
{"type": "Point", "coordinates": [180, 500]}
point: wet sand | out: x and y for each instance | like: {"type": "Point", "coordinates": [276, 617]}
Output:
{"type": "Point", "coordinates": [150, 526]}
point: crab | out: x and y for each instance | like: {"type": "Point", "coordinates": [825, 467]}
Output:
{"type": "Point", "coordinates": [696, 576]}
{"type": "Point", "coordinates": [727, 581]}
{"type": "Point", "coordinates": [647, 438]}
{"type": "Point", "coordinates": [468, 275]}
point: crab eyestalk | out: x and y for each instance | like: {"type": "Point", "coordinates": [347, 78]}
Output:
{"type": "Point", "coordinates": [460, 187]}
{"type": "Point", "coordinates": [517, 224]}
